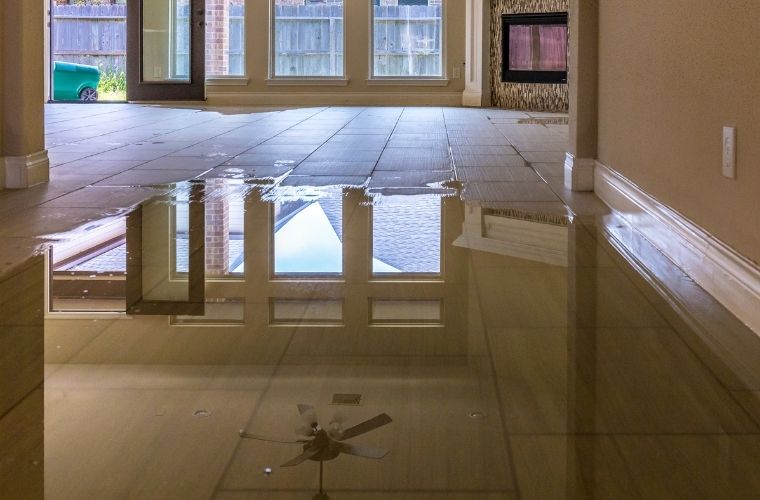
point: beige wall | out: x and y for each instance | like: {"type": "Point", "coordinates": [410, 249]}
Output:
{"type": "Point", "coordinates": [23, 88]}
{"type": "Point", "coordinates": [356, 14]}
{"type": "Point", "coordinates": [671, 75]}
{"type": "Point", "coordinates": [2, 106]}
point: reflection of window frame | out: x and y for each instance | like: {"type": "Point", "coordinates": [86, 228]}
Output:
{"type": "Point", "coordinates": [407, 276]}
{"type": "Point", "coordinates": [372, 321]}
{"type": "Point", "coordinates": [304, 321]}
{"type": "Point", "coordinates": [200, 321]}
{"type": "Point", "coordinates": [272, 52]}
{"type": "Point", "coordinates": [402, 78]}
{"type": "Point", "coordinates": [176, 275]}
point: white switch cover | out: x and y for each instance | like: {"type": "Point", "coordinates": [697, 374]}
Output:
{"type": "Point", "coordinates": [457, 73]}
{"type": "Point", "coordinates": [729, 152]}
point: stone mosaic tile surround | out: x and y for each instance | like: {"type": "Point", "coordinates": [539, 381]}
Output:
{"type": "Point", "coordinates": [527, 96]}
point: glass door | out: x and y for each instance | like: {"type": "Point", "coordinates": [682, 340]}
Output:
{"type": "Point", "coordinates": [166, 55]}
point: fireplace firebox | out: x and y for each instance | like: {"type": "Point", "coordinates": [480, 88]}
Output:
{"type": "Point", "coordinates": [534, 48]}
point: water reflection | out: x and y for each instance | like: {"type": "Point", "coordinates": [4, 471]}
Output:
{"type": "Point", "coordinates": [308, 236]}
{"type": "Point", "coordinates": [584, 381]}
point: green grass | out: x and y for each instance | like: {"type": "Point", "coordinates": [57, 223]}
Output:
{"type": "Point", "coordinates": [112, 86]}
{"type": "Point", "coordinates": [112, 96]}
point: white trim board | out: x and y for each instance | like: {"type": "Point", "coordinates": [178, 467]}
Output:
{"type": "Point", "coordinates": [273, 98]}
{"type": "Point", "coordinates": [728, 276]}
{"type": "Point", "coordinates": [26, 171]}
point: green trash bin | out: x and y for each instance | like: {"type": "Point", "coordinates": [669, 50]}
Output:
{"type": "Point", "coordinates": [75, 82]}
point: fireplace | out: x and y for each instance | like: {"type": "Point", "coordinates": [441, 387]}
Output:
{"type": "Point", "coordinates": [534, 48]}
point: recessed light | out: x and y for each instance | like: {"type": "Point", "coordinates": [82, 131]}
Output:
{"type": "Point", "coordinates": [478, 415]}
{"type": "Point", "coordinates": [267, 471]}
{"type": "Point", "coordinates": [201, 413]}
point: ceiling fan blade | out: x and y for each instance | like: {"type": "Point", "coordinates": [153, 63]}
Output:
{"type": "Point", "coordinates": [302, 408]}
{"type": "Point", "coordinates": [302, 457]}
{"type": "Point", "coordinates": [366, 426]}
{"type": "Point", "coordinates": [246, 435]}
{"type": "Point", "coordinates": [363, 451]}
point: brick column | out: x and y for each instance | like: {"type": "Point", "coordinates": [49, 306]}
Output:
{"type": "Point", "coordinates": [217, 233]}
{"type": "Point", "coordinates": [217, 37]}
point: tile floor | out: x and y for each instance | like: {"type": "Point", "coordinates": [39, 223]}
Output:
{"type": "Point", "coordinates": [541, 350]}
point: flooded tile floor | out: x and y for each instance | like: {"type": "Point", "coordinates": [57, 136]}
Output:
{"type": "Point", "coordinates": [205, 272]}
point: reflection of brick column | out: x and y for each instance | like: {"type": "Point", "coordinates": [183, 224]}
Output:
{"type": "Point", "coordinates": [217, 37]}
{"type": "Point", "coordinates": [217, 235]}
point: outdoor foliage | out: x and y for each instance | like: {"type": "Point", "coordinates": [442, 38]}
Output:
{"type": "Point", "coordinates": [112, 81]}
{"type": "Point", "coordinates": [112, 86]}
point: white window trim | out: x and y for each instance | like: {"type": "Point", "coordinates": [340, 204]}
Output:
{"type": "Point", "coordinates": [217, 80]}
{"type": "Point", "coordinates": [304, 79]}
{"type": "Point", "coordinates": [295, 81]}
{"type": "Point", "coordinates": [432, 81]}
{"type": "Point", "coordinates": [409, 80]}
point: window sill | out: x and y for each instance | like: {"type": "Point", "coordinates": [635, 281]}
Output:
{"type": "Point", "coordinates": [227, 80]}
{"type": "Point", "coordinates": [410, 82]}
{"type": "Point", "coordinates": [307, 82]}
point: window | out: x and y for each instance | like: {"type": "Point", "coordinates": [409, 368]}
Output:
{"type": "Point", "coordinates": [407, 38]}
{"type": "Point", "coordinates": [225, 37]}
{"type": "Point", "coordinates": [308, 38]}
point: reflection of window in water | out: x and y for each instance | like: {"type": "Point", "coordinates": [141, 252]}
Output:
{"type": "Point", "coordinates": [406, 235]}
{"type": "Point", "coordinates": [89, 271]}
{"type": "Point", "coordinates": [308, 237]}
{"type": "Point", "coordinates": [224, 235]}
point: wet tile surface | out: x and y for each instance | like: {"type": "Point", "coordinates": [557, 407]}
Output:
{"type": "Point", "coordinates": [485, 310]}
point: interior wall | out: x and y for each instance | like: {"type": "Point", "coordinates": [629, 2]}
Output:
{"type": "Point", "coordinates": [2, 105]}
{"type": "Point", "coordinates": [671, 75]}
{"type": "Point", "coordinates": [528, 96]}
{"type": "Point", "coordinates": [23, 79]}
{"type": "Point", "coordinates": [357, 46]}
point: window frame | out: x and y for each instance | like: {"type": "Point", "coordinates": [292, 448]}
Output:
{"type": "Point", "coordinates": [379, 79]}
{"type": "Point", "coordinates": [274, 79]}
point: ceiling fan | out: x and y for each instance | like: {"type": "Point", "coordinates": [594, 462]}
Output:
{"type": "Point", "coordinates": [323, 444]}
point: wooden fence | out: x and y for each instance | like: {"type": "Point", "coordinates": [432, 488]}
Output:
{"type": "Point", "coordinates": [90, 34]}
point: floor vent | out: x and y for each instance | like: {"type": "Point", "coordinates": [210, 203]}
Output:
{"type": "Point", "coordinates": [346, 399]}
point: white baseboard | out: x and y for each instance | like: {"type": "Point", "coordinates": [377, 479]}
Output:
{"type": "Point", "coordinates": [472, 99]}
{"type": "Point", "coordinates": [579, 173]}
{"type": "Point", "coordinates": [724, 273]}
{"type": "Point", "coordinates": [26, 171]}
{"type": "Point", "coordinates": [335, 98]}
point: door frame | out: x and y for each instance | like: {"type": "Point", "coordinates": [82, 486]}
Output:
{"type": "Point", "coordinates": [195, 88]}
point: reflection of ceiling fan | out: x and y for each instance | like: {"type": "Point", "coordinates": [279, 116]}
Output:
{"type": "Point", "coordinates": [322, 444]}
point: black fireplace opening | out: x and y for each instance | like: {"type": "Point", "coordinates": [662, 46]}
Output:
{"type": "Point", "coordinates": [534, 48]}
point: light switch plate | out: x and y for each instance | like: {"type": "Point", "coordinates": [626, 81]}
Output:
{"type": "Point", "coordinates": [456, 73]}
{"type": "Point", "coordinates": [729, 152]}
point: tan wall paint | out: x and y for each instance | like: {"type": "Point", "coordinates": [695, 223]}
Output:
{"type": "Point", "coordinates": [671, 74]}
{"type": "Point", "coordinates": [2, 105]}
{"type": "Point", "coordinates": [23, 87]}
{"type": "Point", "coordinates": [357, 15]}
